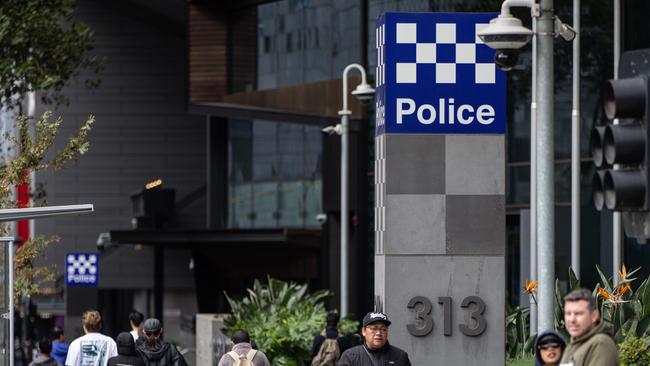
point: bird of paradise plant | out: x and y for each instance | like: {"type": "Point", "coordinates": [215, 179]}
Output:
{"type": "Point", "coordinates": [617, 294]}
{"type": "Point", "coordinates": [626, 308]}
{"type": "Point", "coordinates": [530, 288]}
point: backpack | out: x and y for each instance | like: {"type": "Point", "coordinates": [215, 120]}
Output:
{"type": "Point", "coordinates": [245, 359]}
{"type": "Point", "coordinates": [328, 353]}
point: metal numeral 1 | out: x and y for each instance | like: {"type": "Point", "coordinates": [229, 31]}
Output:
{"type": "Point", "coordinates": [445, 301]}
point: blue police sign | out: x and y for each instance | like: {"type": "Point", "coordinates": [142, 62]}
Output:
{"type": "Point", "coordinates": [82, 269]}
{"type": "Point", "coordinates": [434, 75]}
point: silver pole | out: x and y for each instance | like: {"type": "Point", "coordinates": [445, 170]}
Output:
{"type": "Point", "coordinates": [344, 211]}
{"type": "Point", "coordinates": [13, 214]}
{"type": "Point", "coordinates": [533, 179]}
{"type": "Point", "coordinates": [575, 146]}
{"type": "Point", "coordinates": [617, 241]}
{"type": "Point", "coordinates": [10, 290]}
{"type": "Point", "coordinates": [545, 172]}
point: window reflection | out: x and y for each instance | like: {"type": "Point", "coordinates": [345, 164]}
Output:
{"type": "Point", "coordinates": [290, 42]}
{"type": "Point", "coordinates": [274, 177]}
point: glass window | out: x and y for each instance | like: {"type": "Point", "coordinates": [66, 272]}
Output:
{"type": "Point", "coordinates": [297, 41]}
{"type": "Point", "coordinates": [275, 178]}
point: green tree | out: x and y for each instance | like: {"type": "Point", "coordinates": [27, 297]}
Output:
{"type": "Point", "coordinates": [43, 48]}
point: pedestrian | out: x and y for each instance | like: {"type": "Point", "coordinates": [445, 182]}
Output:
{"type": "Point", "coordinates": [327, 347]}
{"type": "Point", "coordinates": [375, 350]}
{"type": "Point", "coordinates": [548, 349]}
{"type": "Point", "coordinates": [243, 353]}
{"type": "Point", "coordinates": [126, 352]}
{"type": "Point", "coordinates": [44, 358]}
{"type": "Point", "coordinates": [153, 350]}
{"type": "Point", "coordinates": [59, 347]}
{"type": "Point", "coordinates": [93, 348]}
{"type": "Point", "coordinates": [135, 319]}
{"type": "Point", "coordinates": [592, 342]}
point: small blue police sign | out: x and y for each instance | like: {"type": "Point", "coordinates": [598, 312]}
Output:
{"type": "Point", "coordinates": [434, 75]}
{"type": "Point", "coordinates": [82, 269]}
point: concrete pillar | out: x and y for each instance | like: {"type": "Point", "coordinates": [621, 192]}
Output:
{"type": "Point", "coordinates": [442, 235]}
{"type": "Point", "coordinates": [440, 191]}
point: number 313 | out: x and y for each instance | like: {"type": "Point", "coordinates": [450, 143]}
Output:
{"type": "Point", "coordinates": [424, 320]}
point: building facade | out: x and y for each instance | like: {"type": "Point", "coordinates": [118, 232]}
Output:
{"type": "Point", "coordinates": [224, 101]}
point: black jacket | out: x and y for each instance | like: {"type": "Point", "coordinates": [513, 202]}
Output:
{"type": "Point", "coordinates": [165, 355]}
{"type": "Point", "coordinates": [126, 352]}
{"type": "Point", "coordinates": [385, 356]}
{"type": "Point", "coordinates": [332, 333]}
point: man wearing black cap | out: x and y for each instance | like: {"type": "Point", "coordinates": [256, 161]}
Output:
{"type": "Point", "coordinates": [375, 350]}
{"type": "Point", "coordinates": [153, 350]}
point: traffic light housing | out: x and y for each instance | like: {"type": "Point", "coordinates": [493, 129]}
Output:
{"type": "Point", "coordinates": [621, 153]}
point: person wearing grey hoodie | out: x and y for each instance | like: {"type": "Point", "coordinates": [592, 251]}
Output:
{"type": "Point", "coordinates": [549, 347]}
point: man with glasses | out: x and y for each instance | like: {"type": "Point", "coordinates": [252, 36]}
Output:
{"type": "Point", "coordinates": [592, 340]}
{"type": "Point", "coordinates": [375, 350]}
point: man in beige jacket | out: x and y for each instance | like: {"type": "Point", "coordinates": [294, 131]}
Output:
{"type": "Point", "coordinates": [242, 349]}
{"type": "Point", "coordinates": [592, 342]}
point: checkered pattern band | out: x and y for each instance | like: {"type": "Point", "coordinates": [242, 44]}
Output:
{"type": "Point", "coordinates": [380, 70]}
{"type": "Point", "coordinates": [380, 193]}
{"type": "Point", "coordinates": [82, 264]}
{"type": "Point", "coordinates": [459, 55]}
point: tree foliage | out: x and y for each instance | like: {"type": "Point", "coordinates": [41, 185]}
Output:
{"type": "Point", "coordinates": [42, 47]}
{"type": "Point", "coordinates": [33, 149]}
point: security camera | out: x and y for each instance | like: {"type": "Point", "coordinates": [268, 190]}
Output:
{"type": "Point", "coordinates": [330, 130]}
{"type": "Point", "coordinates": [564, 30]}
{"type": "Point", "coordinates": [506, 35]}
{"type": "Point", "coordinates": [506, 59]}
{"type": "Point", "coordinates": [104, 241]}
{"type": "Point", "coordinates": [321, 218]}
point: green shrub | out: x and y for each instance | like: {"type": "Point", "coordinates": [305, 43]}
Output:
{"type": "Point", "coordinates": [283, 318]}
{"type": "Point", "coordinates": [520, 361]}
{"type": "Point", "coordinates": [635, 351]}
{"type": "Point", "coordinates": [519, 342]}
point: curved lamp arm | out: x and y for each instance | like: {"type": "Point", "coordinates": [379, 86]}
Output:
{"type": "Point", "coordinates": [345, 84]}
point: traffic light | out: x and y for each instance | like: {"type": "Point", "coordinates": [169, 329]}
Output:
{"type": "Point", "coordinates": [621, 152]}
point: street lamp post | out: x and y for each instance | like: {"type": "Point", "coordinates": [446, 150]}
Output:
{"type": "Point", "coordinates": [545, 168]}
{"type": "Point", "coordinates": [506, 35]}
{"type": "Point", "coordinates": [362, 92]}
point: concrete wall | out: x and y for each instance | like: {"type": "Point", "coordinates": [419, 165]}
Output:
{"type": "Point", "coordinates": [440, 211]}
{"type": "Point", "coordinates": [142, 133]}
